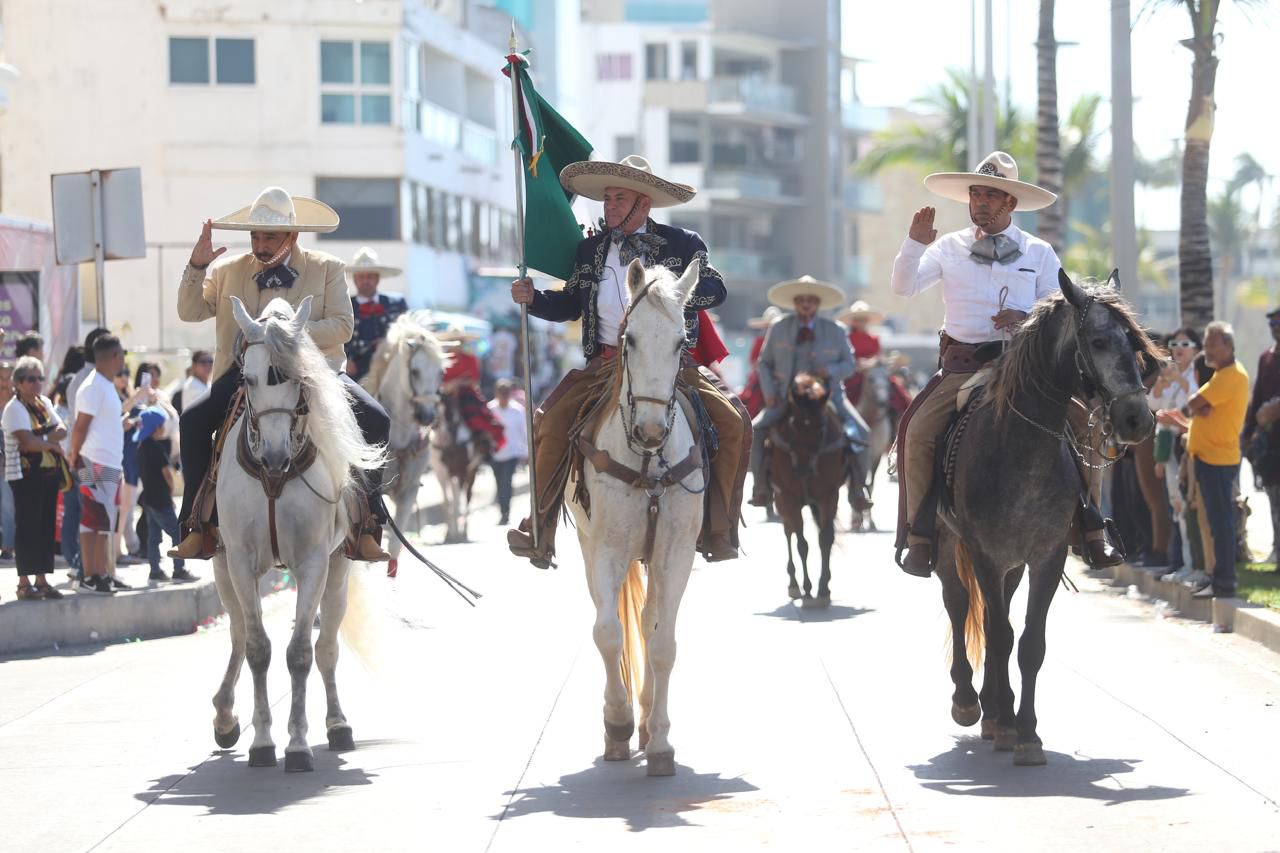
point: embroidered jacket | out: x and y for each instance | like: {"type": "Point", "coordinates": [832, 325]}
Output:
{"type": "Point", "coordinates": [372, 320]}
{"type": "Point", "coordinates": [577, 300]}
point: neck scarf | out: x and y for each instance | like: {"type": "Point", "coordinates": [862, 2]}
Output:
{"type": "Point", "coordinates": [635, 245]}
{"type": "Point", "coordinates": [995, 248]}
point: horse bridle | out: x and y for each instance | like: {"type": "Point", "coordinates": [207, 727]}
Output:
{"type": "Point", "coordinates": [296, 413]}
{"type": "Point", "coordinates": [628, 414]}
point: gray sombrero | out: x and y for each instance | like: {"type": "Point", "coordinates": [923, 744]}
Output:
{"type": "Point", "coordinates": [999, 171]}
{"type": "Point", "coordinates": [589, 178]}
{"type": "Point", "coordinates": [274, 210]}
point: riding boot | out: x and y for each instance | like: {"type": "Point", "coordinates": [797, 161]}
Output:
{"type": "Point", "coordinates": [1091, 536]}
{"type": "Point", "coordinates": [919, 560]}
{"type": "Point", "coordinates": [198, 544]}
{"type": "Point", "coordinates": [368, 547]}
{"type": "Point", "coordinates": [520, 542]}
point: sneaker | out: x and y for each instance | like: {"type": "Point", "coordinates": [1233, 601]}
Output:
{"type": "Point", "coordinates": [1207, 591]}
{"type": "Point", "coordinates": [116, 584]}
{"type": "Point", "coordinates": [95, 585]}
{"type": "Point", "coordinates": [6, 555]}
{"type": "Point", "coordinates": [1195, 580]}
{"type": "Point", "coordinates": [1176, 576]}
{"type": "Point", "coordinates": [184, 576]}
{"type": "Point", "coordinates": [157, 575]}
{"type": "Point", "coordinates": [128, 560]}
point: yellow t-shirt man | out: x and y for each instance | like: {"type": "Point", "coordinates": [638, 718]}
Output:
{"type": "Point", "coordinates": [1215, 437]}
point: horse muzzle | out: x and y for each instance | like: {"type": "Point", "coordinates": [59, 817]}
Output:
{"type": "Point", "coordinates": [1132, 419]}
{"type": "Point", "coordinates": [650, 436]}
{"type": "Point", "coordinates": [424, 415]}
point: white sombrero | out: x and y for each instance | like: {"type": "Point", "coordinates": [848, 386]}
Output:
{"type": "Point", "coordinates": [366, 260]}
{"type": "Point", "coordinates": [859, 309]}
{"type": "Point", "coordinates": [589, 178]}
{"type": "Point", "coordinates": [766, 319]}
{"type": "Point", "coordinates": [783, 295]}
{"type": "Point", "coordinates": [999, 171]}
{"type": "Point", "coordinates": [275, 210]}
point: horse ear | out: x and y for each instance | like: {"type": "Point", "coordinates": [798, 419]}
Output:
{"type": "Point", "coordinates": [635, 277]}
{"type": "Point", "coordinates": [1114, 279]}
{"type": "Point", "coordinates": [303, 314]}
{"type": "Point", "coordinates": [688, 281]}
{"type": "Point", "coordinates": [252, 328]}
{"type": "Point", "coordinates": [1073, 293]}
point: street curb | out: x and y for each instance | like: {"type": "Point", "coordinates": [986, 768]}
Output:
{"type": "Point", "coordinates": [1254, 621]}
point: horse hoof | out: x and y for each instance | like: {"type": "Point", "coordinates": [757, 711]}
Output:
{"type": "Point", "coordinates": [793, 592]}
{"type": "Point", "coordinates": [297, 762]}
{"type": "Point", "coordinates": [822, 601]}
{"type": "Point", "coordinates": [226, 740]}
{"type": "Point", "coordinates": [1005, 740]}
{"type": "Point", "coordinates": [341, 739]}
{"type": "Point", "coordinates": [619, 731]}
{"type": "Point", "coordinates": [808, 602]}
{"type": "Point", "coordinates": [1028, 755]}
{"type": "Point", "coordinates": [661, 764]}
{"type": "Point", "coordinates": [967, 716]}
{"type": "Point", "coordinates": [262, 756]}
{"type": "Point", "coordinates": [617, 750]}
{"type": "Point", "coordinates": [988, 729]}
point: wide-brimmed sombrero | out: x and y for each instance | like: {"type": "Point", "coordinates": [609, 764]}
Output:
{"type": "Point", "coordinates": [366, 260]}
{"type": "Point", "coordinates": [860, 309]}
{"type": "Point", "coordinates": [766, 319]}
{"type": "Point", "coordinates": [275, 210]}
{"type": "Point", "coordinates": [1000, 171]}
{"type": "Point", "coordinates": [589, 178]}
{"type": "Point", "coordinates": [784, 293]}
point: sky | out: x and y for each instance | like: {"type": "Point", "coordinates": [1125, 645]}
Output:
{"type": "Point", "coordinates": [904, 66]}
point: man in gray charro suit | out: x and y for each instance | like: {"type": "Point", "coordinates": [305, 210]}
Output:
{"type": "Point", "coordinates": [798, 343]}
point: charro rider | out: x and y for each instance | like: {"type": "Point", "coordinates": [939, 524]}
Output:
{"type": "Point", "coordinates": [275, 267]}
{"type": "Point", "coordinates": [373, 312]}
{"type": "Point", "coordinates": [858, 318]}
{"type": "Point", "coordinates": [597, 293]}
{"type": "Point", "coordinates": [992, 273]}
{"type": "Point", "coordinates": [797, 343]}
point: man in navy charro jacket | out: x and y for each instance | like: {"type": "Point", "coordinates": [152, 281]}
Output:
{"type": "Point", "coordinates": [597, 294]}
{"type": "Point", "coordinates": [374, 312]}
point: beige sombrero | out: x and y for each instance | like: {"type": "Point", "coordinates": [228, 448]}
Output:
{"type": "Point", "coordinates": [860, 309]}
{"type": "Point", "coordinates": [366, 260]}
{"type": "Point", "coordinates": [766, 319]}
{"type": "Point", "coordinates": [999, 171]}
{"type": "Point", "coordinates": [456, 334]}
{"type": "Point", "coordinates": [274, 210]}
{"type": "Point", "coordinates": [783, 294]}
{"type": "Point", "coordinates": [589, 178]}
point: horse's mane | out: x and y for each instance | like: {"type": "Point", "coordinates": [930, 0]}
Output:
{"type": "Point", "coordinates": [409, 328]}
{"type": "Point", "coordinates": [332, 424]}
{"type": "Point", "coordinates": [1026, 364]}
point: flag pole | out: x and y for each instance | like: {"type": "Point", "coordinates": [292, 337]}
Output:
{"type": "Point", "coordinates": [534, 532]}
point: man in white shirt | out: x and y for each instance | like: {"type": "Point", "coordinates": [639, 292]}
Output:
{"type": "Point", "coordinates": [991, 273]}
{"type": "Point", "coordinates": [196, 386]}
{"type": "Point", "coordinates": [514, 450]}
{"type": "Point", "coordinates": [97, 454]}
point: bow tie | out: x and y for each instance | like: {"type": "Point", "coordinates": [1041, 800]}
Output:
{"type": "Point", "coordinates": [635, 245]}
{"type": "Point", "coordinates": [995, 248]}
{"type": "Point", "coordinates": [805, 335]}
{"type": "Point", "coordinates": [281, 276]}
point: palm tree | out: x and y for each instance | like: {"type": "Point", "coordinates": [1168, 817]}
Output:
{"type": "Point", "coordinates": [1090, 255]}
{"type": "Point", "coordinates": [1048, 143]}
{"type": "Point", "coordinates": [1195, 258]}
{"type": "Point", "coordinates": [939, 142]}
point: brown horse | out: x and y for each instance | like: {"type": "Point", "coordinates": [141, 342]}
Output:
{"type": "Point", "coordinates": [808, 463]}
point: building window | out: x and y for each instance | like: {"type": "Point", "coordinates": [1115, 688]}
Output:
{"type": "Point", "coordinates": [613, 66]}
{"type": "Point", "coordinates": [689, 60]}
{"type": "Point", "coordinates": [685, 144]}
{"type": "Point", "coordinates": [369, 208]}
{"type": "Point", "coordinates": [623, 146]}
{"type": "Point", "coordinates": [355, 80]}
{"type": "Point", "coordinates": [231, 62]}
{"type": "Point", "coordinates": [655, 62]}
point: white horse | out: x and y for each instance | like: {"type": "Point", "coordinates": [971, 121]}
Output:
{"type": "Point", "coordinates": [286, 495]}
{"type": "Point", "coordinates": [654, 521]}
{"type": "Point", "coordinates": [405, 379]}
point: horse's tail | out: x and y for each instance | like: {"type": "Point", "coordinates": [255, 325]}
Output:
{"type": "Point", "coordinates": [631, 600]}
{"type": "Point", "coordinates": [974, 633]}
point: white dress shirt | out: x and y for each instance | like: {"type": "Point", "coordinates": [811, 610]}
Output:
{"type": "Point", "coordinates": [971, 291]}
{"type": "Point", "coordinates": [612, 296]}
{"type": "Point", "coordinates": [513, 429]}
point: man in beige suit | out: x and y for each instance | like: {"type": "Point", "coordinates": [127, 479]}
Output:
{"type": "Point", "coordinates": [276, 267]}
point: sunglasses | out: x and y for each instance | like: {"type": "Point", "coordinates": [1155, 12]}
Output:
{"type": "Point", "coordinates": [1181, 344]}
{"type": "Point", "coordinates": [205, 361]}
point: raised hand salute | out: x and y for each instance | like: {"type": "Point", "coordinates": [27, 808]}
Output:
{"type": "Point", "coordinates": [204, 254]}
{"type": "Point", "coordinates": [922, 230]}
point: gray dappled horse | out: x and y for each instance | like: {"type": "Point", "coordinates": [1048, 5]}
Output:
{"type": "Point", "coordinates": [1017, 488]}
{"type": "Point", "coordinates": [873, 405]}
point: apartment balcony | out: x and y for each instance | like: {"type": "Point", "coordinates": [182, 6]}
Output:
{"type": "Point", "coordinates": [735, 185]}
{"type": "Point", "coordinates": [857, 272]}
{"type": "Point", "coordinates": [860, 119]}
{"type": "Point", "coordinates": [747, 264]}
{"type": "Point", "coordinates": [479, 143]}
{"type": "Point", "coordinates": [863, 196]}
{"type": "Point", "coordinates": [753, 97]}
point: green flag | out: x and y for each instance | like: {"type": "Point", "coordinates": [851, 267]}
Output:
{"type": "Point", "coordinates": [547, 143]}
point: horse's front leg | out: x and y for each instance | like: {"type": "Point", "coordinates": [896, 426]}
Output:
{"type": "Point", "coordinates": [607, 566]}
{"type": "Point", "coordinates": [997, 692]}
{"type": "Point", "coordinates": [802, 546]}
{"type": "Point", "coordinates": [243, 568]}
{"type": "Point", "coordinates": [333, 607]}
{"type": "Point", "coordinates": [668, 577]}
{"type": "Point", "coordinates": [311, 577]}
{"type": "Point", "coordinates": [826, 539]}
{"type": "Point", "coordinates": [792, 522]}
{"type": "Point", "coordinates": [1044, 583]}
{"type": "Point", "coordinates": [226, 725]}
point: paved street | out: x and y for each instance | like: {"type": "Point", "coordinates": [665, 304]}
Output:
{"type": "Point", "coordinates": [479, 729]}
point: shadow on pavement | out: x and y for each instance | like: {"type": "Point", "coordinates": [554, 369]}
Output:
{"type": "Point", "coordinates": [226, 785]}
{"type": "Point", "coordinates": [834, 613]}
{"type": "Point", "coordinates": [973, 768]}
{"type": "Point", "coordinates": [621, 790]}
